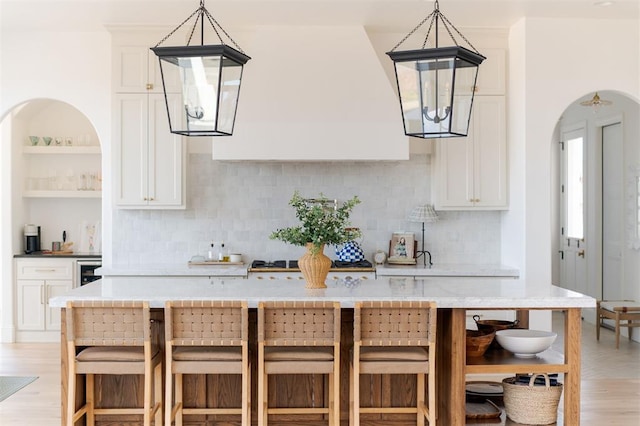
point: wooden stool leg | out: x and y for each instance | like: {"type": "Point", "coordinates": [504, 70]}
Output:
{"type": "Point", "coordinates": [263, 383]}
{"type": "Point", "coordinates": [356, 395]}
{"type": "Point", "coordinates": [178, 397]}
{"type": "Point", "coordinates": [157, 397]}
{"type": "Point", "coordinates": [420, 399]}
{"type": "Point", "coordinates": [246, 394]}
{"type": "Point", "coordinates": [617, 330]}
{"type": "Point", "coordinates": [90, 400]}
{"type": "Point", "coordinates": [598, 321]}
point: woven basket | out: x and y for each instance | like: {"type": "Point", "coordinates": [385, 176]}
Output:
{"type": "Point", "coordinates": [478, 342]}
{"type": "Point", "coordinates": [531, 404]}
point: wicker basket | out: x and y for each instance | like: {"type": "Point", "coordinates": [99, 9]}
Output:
{"type": "Point", "coordinates": [531, 404]}
{"type": "Point", "coordinates": [478, 342]}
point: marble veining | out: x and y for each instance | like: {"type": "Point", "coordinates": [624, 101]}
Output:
{"type": "Point", "coordinates": [467, 293]}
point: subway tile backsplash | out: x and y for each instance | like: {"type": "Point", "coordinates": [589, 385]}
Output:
{"type": "Point", "coordinates": [241, 203]}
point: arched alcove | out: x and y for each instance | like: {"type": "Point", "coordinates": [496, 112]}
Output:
{"type": "Point", "coordinates": [56, 185]}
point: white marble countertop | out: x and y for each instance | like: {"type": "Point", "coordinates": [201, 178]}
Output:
{"type": "Point", "coordinates": [447, 270]}
{"type": "Point", "coordinates": [173, 270]}
{"type": "Point", "coordinates": [468, 293]}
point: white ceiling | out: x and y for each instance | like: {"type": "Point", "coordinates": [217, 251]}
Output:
{"type": "Point", "coordinates": [391, 14]}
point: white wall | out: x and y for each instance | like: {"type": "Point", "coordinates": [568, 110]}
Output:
{"type": "Point", "coordinates": [72, 67]}
{"type": "Point", "coordinates": [559, 60]}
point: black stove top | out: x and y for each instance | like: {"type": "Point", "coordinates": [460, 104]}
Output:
{"type": "Point", "coordinates": [293, 264]}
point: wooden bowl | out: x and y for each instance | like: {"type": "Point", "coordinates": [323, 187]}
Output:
{"type": "Point", "coordinates": [478, 342]}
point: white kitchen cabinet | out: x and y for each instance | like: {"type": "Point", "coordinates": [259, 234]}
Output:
{"type": "Point", "coordinates": [38, 280]}
{"type": "Point", "coordinates": [471, 172]}
{"type": "Point", "coordinates": [137, 70]}
{"type": "Point", "coordinates": [149, 160]}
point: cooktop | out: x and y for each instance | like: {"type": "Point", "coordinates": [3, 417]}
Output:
{"type": "Point", "coordinates": [289, 265]}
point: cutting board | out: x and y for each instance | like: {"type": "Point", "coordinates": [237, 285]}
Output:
{"type": "Point", "coordinates": [482, 410]}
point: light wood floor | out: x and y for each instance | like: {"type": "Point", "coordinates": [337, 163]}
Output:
{"type": "Point", "coordinates": [610, 382]}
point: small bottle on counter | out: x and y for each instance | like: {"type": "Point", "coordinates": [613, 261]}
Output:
{"type": "Point", "coordinates": [210, 254]}
{"type": "Point", "coordinates": [220, 252]}
{"type": "Point", "coordinates": [225, 254]}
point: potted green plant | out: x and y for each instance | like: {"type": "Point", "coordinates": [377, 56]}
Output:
{"type": "Point", "coordinates": [322, 222]}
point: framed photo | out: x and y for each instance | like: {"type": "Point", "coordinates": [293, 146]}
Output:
{"type": "Point", "coordinates": [402, 248]}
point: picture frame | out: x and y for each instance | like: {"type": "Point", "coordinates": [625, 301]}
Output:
{"type": "Point", "coordinates": [402, 248]}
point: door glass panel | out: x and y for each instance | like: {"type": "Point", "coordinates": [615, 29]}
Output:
{"type": "Point", "coordinates": [575, 188]}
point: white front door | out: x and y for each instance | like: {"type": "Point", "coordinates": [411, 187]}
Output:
{"type": "Point", "coordinates": [573, 246]}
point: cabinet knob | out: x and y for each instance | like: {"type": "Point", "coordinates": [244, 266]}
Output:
{"type": "Point", "coordinates": [151, 198]}
{"type": "Point", "coordinates": [475, 89]}
{"type": "Point", "coordinates": [149, 86]}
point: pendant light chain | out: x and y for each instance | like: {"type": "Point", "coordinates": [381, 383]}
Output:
{"type": "Point", "coordinates": [202, 10]}
{"type": "Point", "coordinates": [433, 16]}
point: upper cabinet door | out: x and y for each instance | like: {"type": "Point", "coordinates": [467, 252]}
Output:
{"type": "Point", "coordinates": [471, 173]}
{"type": "Point", "coordinates": [137, 70]}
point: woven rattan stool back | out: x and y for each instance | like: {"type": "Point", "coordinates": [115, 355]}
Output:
{"type": "Point", "coordinates": [206, 337]}
{"type": "Point", "coordinates": [299, 338]}
{"type": "Point", "coordinates": [111, 338]}
{"type": "Point", "coordinates": [396, 337]}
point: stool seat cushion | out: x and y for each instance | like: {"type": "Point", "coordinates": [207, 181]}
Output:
{"type": "Point", "coordinates": [298, 353]}
{"type": "Point", "coordinates": [210, 353]}
{"type": "Point", "coordinates": [610, 306]}
{"type": "Point", "coordinates": [113, 353]}
{"type": "Point", "coordinates": [393, 353]}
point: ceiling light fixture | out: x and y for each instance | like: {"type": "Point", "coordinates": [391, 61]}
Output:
{"type": "Point", "coordinates": [210, 77]}
{"type": "Point", "coordinates": [596, 102]}
{"type": "Point", "coordinates": [436, 85]}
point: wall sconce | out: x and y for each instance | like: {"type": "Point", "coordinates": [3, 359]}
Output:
{"type": "Point", "coordinates": [436, 85]}
{"type": "Point", "coordinates": [210, 76]}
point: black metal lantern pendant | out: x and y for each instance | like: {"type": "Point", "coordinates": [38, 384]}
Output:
{"type": "Point", "coordinates": [210, 77]}
{"type": "Point", "coordinates": [436, 85]}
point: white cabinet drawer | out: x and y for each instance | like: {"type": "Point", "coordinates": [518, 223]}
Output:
{"type": "Point", "coordinates": [44, 269]}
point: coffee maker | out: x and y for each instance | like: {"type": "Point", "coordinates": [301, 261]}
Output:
{"type": "Point", "coordinates": [31, 239]}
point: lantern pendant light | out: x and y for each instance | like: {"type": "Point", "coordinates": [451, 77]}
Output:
{"type": "Point", "coordinates": [436, 85]}
{"type": "Point", "coordinates": [210, 76]}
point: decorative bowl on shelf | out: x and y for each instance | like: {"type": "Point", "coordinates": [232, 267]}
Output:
{"type": "Point", "coordinates": [525, 343]}
{"type": "Point", "coordinates": [478, 342]}
{"type": "Point", "coordinates": [34, 140]}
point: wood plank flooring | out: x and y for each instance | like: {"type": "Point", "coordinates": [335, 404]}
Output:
{"type": "Point", "coordinates": [610, 382]}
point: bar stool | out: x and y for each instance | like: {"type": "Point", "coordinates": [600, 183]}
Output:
{"type": "Point", "coordinates": [112, 337]}
{"type": "Point", "coordinates": [618, 311]}
{"type": "Point", "coordinates": [206, 337]}
{"type": "Point", "coordinates": [299, 338]}
{"type": "Point", "coordinates": [395, 338]}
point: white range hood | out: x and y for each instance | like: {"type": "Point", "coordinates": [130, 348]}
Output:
{"type": "Point", "coordinates": [314, 93]}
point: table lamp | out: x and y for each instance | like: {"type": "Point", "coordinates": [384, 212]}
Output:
{"type": "Point", "coordinates": [424, 213]}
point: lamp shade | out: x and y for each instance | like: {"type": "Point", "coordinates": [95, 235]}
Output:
{"type": "Point", "coordinates": [210, 76]}
{"type": "Point", "coordinates": [436, 88]}
{"type": "Point", "coordinates": [423, 213]}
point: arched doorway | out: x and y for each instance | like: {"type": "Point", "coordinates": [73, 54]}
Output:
{"type": "Point", "coordinates": [599, 259]}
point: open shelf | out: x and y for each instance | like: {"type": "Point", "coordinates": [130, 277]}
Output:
{"type": "Point", "coordinates": [62, 194]}
{"type": "Point", "coordinates": [52, 150]}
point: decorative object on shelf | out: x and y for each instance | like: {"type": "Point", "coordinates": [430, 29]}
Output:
{"type": "Point", "coordinates": [596, 102]}
{"type": "Point", "coordinates": [425, 214]}
{"type": "Point", "coordinates": [531, 404]}
{"type": "Point", "coordinates": [402, 249]}
{"type": "Point", "coordinates": [436, 85]}
{"type": "Point", "coordinates": [525, 343]}
{"type": "Point", "coordinates": [351, 251]}
{"type": "Point", "coordinates": [478, 341]}
{"type": "Point", "coordinates": [211, 76]}
{"type": "Point", "coordinates": [380, 257]}
{"type": "Point", "coordinates": [323, 223]}
{"type": "Point", "coordinates": [34, 140]}
{"type": "Point", "coordinates": [47, 140]}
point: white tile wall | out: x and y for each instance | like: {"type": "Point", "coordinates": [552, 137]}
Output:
{"type": "Point", "coordinates": [241, 203]}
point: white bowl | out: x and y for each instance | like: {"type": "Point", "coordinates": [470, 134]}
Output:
{"type": "Point", "coordinates": [525, 343]}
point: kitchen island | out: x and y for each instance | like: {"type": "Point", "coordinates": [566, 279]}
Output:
{"type": "Point", "coordinates": [453, 297]}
